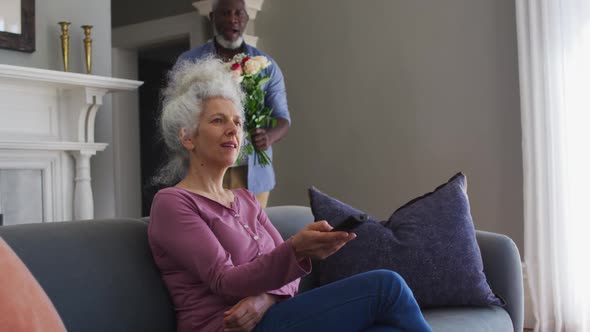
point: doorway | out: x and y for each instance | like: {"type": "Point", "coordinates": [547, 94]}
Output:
{"type": "Point", "coordinates": [154, 63]}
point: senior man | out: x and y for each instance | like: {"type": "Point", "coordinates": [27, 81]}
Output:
{"type": "Point", "coordinates": [229, 19]}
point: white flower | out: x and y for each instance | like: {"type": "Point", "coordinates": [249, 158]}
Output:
{"type": "Point", "coordinates": [262, 60]}
{"type": "Point", "coordinates": [238, 58]}
{"type": "Point", "coordinates": [255, 64]}
{"type": "Point", "coordinates": [252, 67]}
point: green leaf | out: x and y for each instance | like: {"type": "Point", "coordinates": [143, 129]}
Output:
{"type": "Point", "coordinates": [262, 82]}
{"type": "Point", "coordinates": [257, 115]}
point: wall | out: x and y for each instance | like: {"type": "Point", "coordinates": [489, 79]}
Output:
{"type": "Point", "coordinates": [391, 98]}
{"type": "Point", "coordinates": [126, 138]}
{"type": "Point", "coordinates": [48, 52]}
{"type": "Point", "coordinates": [48, 56]}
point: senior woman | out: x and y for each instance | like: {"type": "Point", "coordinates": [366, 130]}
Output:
{"type": "Point", "coordinates": [224, 264]}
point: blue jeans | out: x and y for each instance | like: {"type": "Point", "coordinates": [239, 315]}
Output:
{"type": "Point", "coordinates": [373, 301]}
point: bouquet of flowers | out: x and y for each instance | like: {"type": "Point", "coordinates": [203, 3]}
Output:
{"type": "Point", "coordinates": [248, 71]}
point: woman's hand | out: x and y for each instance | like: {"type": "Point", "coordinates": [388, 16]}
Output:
{"type": "Point", "coordinates": [316, 241]}
{"type": "Point", "coordinates": [244, 316]}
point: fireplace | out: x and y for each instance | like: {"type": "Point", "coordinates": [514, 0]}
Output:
{"type": "Point", "coordinates": [47, 141]}
{"type": "Point", "coordinates": [21, 188]}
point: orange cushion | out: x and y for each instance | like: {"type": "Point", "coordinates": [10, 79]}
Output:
{"type": "Point", "coordinates": [24, 306]}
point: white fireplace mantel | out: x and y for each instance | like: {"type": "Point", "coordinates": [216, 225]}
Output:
{"type": "Point", "coordinates": [47, 118]}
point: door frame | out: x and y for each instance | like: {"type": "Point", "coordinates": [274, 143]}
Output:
{"type": "Point", "coordinates": [126, 42]}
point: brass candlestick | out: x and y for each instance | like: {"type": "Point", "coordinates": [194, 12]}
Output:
{"type": "Point", "coordinates": [88, 47]}
{"type": "Point", "coordinates": [65, 43]}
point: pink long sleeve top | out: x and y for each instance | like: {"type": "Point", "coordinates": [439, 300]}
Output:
{"type": "Point", "coordinates": [212, 256]}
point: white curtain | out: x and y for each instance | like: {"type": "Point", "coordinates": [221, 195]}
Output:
{"type": "Point", "coordinates": [554, 61]}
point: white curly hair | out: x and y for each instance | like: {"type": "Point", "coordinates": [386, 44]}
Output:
{"type": "Point", "coordinates": [190, 84]}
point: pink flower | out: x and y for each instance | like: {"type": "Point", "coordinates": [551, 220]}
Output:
{"type": "Point", "coordinates": [236, 66]}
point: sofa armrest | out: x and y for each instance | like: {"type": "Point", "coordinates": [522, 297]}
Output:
{"type": "Point", "coordinates": [289, 219]}
{"type": "Point", "coordinates": [503, 270]}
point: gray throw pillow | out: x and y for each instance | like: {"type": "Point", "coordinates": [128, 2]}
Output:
{"type": "Point", "coordinates": [430, 242]}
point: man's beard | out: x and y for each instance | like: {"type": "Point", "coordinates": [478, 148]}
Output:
{"type": "Point", "coordinates": [230, 45]}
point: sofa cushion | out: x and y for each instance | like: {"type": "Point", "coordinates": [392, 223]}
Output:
{"type": "Point", "coordinates": [24, 306]}
{"type": "Point", "coordinates": [430, 241]}
{"type": "Point", "coordinates": [468, 319]}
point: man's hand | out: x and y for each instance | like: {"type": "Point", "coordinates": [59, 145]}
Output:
{"type": "Point", "coordinates": [244, 316]}
{"type": "Point", "coordinates": [263, 138]}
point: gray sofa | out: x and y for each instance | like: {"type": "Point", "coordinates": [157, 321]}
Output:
{"type": "Point", "coordinates": [101, 277]}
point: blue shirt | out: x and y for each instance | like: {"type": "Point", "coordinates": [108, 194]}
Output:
{"type": "Point", "coordinates": [260, 179]}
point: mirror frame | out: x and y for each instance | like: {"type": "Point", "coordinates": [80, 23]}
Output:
{"type": "Point", "coordinates": [25, 41]}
